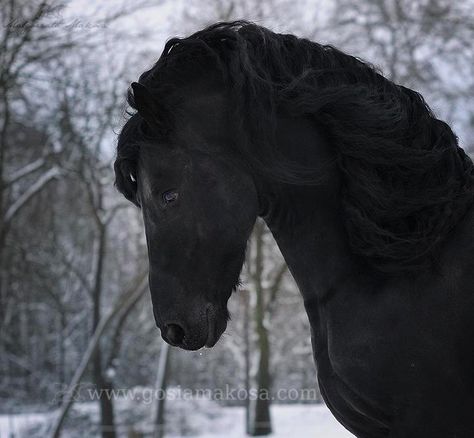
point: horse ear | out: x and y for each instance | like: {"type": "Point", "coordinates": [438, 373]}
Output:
{"type": "Point", "coordinates": [147, 107]}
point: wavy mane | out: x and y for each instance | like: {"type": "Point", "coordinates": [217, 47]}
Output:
{"type": "Point", "coordinates": [406, 182]}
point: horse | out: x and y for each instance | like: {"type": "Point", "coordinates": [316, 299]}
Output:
{"type": "Point", "coordinates": [368, 195]}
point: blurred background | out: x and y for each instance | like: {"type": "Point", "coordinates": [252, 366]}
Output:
{"type": "Point", "coordinates": [79, 351]}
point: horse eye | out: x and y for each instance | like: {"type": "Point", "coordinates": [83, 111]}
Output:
{"type": "Point", "coordinates": [170, 196]}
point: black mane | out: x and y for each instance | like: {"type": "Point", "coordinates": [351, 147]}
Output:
{"type": "Point", "coordinates": [406, 183]}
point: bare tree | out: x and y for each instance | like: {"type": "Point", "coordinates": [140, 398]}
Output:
{"type": "Point", "coordinates": [266, 273]}
{"type": "Point", "coordinates": [422, 44]}
{"type": "Point", "coordinates": [127, 300]}
{"type": "Point", "coordinates": [24, 44]}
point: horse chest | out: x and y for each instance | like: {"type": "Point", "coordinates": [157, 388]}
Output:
{"type": "Point", "coordinates": [355, 346]}
{"type": "Point", "coordinates": [376, 354]}
{"type": "Point", "coordinates": [364, 344]}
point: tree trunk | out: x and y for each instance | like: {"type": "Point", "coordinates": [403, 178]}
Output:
{"type": "Point", "coordinates": [5, 111]}
{"type": "Point", "coordinates": [260, 420]}
{"type": "Point", "coordinates": [161, 386]}
{"type": "Point", "coordinates": [103, 385]}
{"type": "Point", "coordinates": [62, 351]}
{"type": "Point", "coordinates": [245, 303]}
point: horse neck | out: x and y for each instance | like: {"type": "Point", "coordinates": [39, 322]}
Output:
{"type": "Point", "coordinates": [307, 221]}
{"type": "Point", "coordinates": [313, 242]}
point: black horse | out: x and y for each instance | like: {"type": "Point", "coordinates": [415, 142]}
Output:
{"type": "Point", "coordinates": [367, 194]}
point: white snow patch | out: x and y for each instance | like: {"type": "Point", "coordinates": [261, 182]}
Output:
{"type": "Point", "coordinates": [302, 421]}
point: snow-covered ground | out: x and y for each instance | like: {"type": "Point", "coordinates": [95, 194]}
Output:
{"type": "Point", "coordinates": [302, 421]}
{"type": "Point", "coordinates": [17, 425]}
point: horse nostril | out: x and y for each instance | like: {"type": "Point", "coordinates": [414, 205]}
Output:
{"type": "Point", "coordinates": [174, 334]}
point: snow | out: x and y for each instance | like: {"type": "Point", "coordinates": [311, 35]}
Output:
{"type": "Point", "coordinates": [17, 425]}
{"type": "Point", "coordinates": [303, 421]}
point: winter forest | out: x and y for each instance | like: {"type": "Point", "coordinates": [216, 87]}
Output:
{"type": "Point", "coordinates": [80, 354]}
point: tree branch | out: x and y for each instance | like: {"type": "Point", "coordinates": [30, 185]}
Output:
{"type": "Point", "coordinates": [24, 171]}
{"type": "Point", "coordinates": [51, 174]}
